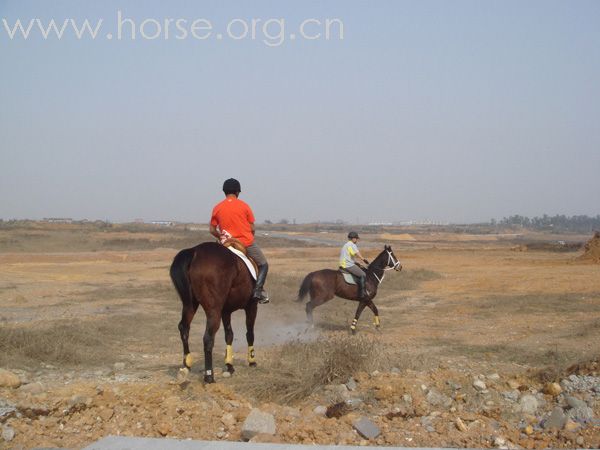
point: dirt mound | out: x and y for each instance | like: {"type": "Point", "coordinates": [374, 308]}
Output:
{"type": "Point", "coordinates": [591, 250]}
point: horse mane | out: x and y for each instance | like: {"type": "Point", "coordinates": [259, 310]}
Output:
{"type": "Point", "coordinates": [373, 266]}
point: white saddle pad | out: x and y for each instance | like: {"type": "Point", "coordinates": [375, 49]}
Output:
{"type": "Point", "coordinates": [348, 278]}
{"type": "Point", "coordinates": [246, 261]}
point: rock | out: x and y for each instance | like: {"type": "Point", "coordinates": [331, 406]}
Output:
{"type": "Point", "coordinates": [528, 404]}
{"type": "Point", "coordinates": [582, 414]}
{"type": "Point", "coordinates": [552, 389]}
{"type": "Point", "coordinates": [395, 371]}
{"type": "Point", "coordinates": [513, 384]}
{"type": "Point", "coordinates": [499, 441]}
{"type": "Point", "coordinates": [528, 430]}
{"type": "Point", "coordinates": [574, 402]}
{"type": "Point", "coordinates": [436, 398]}
{"type": "Point", "coordinates": [354, 402]}
{"type": "Point", "coordinates": [512, 396]}
{"type": "Point", "coordinates": [163, 428]}
{"type": "Point", "coordinates": [256, 423]}
{"type": "Point", "coordinates": [106, 414]}
{"type": "Point", "coordinates": [351, 384]}
{"type": "Point", "coordinates": [366, 428]}
{"type": "Point", "coordinates": [580, 440]}
{"type": "Point", "coordinates": [228, 420]}
{"type": "Point", "coordinates": [460, 425]}
{"type": "Point", "coordinates": [9, 379]}
{"type": "Point", "coordinates": [479, 385]}
{"type": "Point", "coordinates": [221, 434]}
{"type": "Point", "coordinates": [571, 426]}
{"type": "Point", "coordinates": [375, 373]}
{"type": "Point", "coordinates": [8, 433]}
{"type": "Point", "coordinates": [494, 377]}
{"type": "Point", "coordinates": [119, 366]}
{"type": "Point", "coordinates": [7, 410]}
{"type": "Point", "coordinates": [33, 388]}
{"type": "Point", "coordinates": [556, 420]}
{"type": "Point", "coordinates": [320, 410]}
{"type": "Point", "coordinates": [79, 402]}
{"type": "Point", "coordinates": [453, 385]}
{"type": "Point", "coordinates": [225, 374]}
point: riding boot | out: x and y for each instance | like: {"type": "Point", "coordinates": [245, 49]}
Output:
{"type": "Point", "coordinates": [259, 294]}
{"type": "Point", "coordinates": [362, 290]}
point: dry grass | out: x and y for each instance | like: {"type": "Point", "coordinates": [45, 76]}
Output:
{"type": "Point", "coordinates": [409, 279]}
{"type": "Point", "coordinates": [59, 343]}
{"type": "Point", "coordinates": [298, 369]}
{"type": "Point", "coordinates": [539, 303]}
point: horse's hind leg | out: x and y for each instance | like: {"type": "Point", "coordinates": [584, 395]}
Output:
{"type": "Point", "coordinates": [373, 308]}
{"type": "Point", "coordinates": [250, 319]}
{"type": "Point", "coordinates": [228, 342]}
{"type": "Point", "coordinates": [359, 311]}
{"type": "Point", "coordinates": [212, 325]}
{"type": "Point", "coordinates": [316, 300]}
{"type": "Point", "coordinates": [187, 314]}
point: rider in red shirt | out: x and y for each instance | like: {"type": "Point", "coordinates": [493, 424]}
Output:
{"type": "Point", "coordinates": [234, 218]}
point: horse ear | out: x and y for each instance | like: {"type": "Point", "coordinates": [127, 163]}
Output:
{"type": "Point", "coordinates": [387, 247]}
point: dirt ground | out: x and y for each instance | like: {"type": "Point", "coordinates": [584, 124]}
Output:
{"type": "Point", "coordinates": [88, 322]}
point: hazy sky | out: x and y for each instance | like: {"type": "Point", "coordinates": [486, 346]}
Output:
{"type": "Point", "coordinates": [445, 110]}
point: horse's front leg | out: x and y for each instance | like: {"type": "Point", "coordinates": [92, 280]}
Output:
{"type": "Point", "coordinates": [373, 308]}
{"type": "Point", "coordinates": [212, 325]}
{"type": "Point", "coordinates": [250, 319]}
{"type": "Point", "coordinates": [359, 311]}
{"type": "Point", "coordinates": [228, 342]}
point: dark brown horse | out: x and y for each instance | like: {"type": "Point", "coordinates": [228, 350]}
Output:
{"type": "Point", "coordinates": [325, 284]}
{"type": "Point", "coordinates": [210, 275]}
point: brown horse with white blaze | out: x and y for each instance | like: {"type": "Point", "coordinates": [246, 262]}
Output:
{"type": "Point", "coordinates": [325, 284]}
{"type": "Point", "coordinates": [211, 276]}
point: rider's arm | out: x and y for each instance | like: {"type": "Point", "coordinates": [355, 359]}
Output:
{"type": "Point", "coordinates": [358, 255]}
{"type": "Point", "coordinates": [213, 230]}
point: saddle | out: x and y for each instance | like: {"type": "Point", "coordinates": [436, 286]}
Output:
{"type": "Point", "coordinates": [348, 277]}
{"type": "Point", "coordinates": [240, 250]}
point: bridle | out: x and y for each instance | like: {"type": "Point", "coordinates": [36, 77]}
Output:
{"type": "Point", "coordinates": [392, 263]}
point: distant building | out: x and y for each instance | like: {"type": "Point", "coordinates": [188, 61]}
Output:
{"type": "Point", "coordinates": [163, 223]}
{"type": "Point", "coordinates": [58, 220]}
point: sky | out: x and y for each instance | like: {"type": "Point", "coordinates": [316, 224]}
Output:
{"type": "Point", "coordinates": [456, 111]}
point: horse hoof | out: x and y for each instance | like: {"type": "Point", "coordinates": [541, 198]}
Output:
{"type": "Point", "coordinates": [208, 379]}
{"type": "Point", "coordinates": [183, 374]}
{"type": "Point", "coordinates": [229, 368]}
{"type": "Point", "coordinates": [353, 331]}
{"type": "Point", "coordinates": [252, 364]}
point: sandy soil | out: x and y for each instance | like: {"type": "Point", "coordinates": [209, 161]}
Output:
{"type": "Point", "coordinates": [464, 308]}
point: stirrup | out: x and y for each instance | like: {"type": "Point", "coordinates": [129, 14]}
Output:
{"type": "Point", "coordinates": [262, 298]}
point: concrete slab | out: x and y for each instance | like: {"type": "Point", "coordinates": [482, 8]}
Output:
{"type": "Point", "coordinates": [130, 443]}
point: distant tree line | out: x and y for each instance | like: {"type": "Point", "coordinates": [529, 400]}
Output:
{"type": "Point", "coordinates": [559, 222]}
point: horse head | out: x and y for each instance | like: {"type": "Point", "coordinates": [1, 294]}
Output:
{"type": "Point", "coordinates": [392, 261]}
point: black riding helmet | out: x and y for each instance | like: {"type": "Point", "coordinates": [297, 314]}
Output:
{"type": "Point", "coordinates": [352, 235]}
{"type": "Point", "coordinates": [231, 186]}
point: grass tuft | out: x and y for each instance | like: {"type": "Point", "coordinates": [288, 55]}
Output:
{"type": "Point", "coordinates": [299, 369]}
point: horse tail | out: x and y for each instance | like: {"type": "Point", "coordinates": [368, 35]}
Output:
{"type": "Point", "coordinates": [179, 274]}
{"type": "Point", "coordinates": [304, 287]}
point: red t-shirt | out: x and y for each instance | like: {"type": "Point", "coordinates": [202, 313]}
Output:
{"type": "Point", "coordinates": [235, 217]}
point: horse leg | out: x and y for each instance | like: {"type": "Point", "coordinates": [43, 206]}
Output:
{"type": "Point", "coordinates": [309, 310]}
{"type": "Point", "coordinates": [228, 342]}
{"type": "Point", "coordinates": [187, 314]}
{"type": "Point", "coordinates": [316, 300]}
{"type": "Point", "coordinates": [373, 308]}
{"type": "Point", "coordinates": [250, 319]}
{"type": "Point", "coordinates": [359, 311]}
{"type": "Point", "coordinates": [212, 325]}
